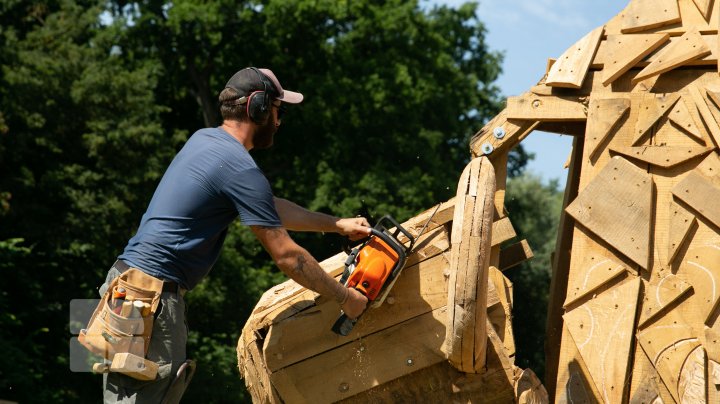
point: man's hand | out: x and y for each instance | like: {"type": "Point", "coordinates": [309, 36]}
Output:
{"type": "Point", "coordinates": [355, 304]}
{"type": "Point", "coordinates": [355, 228]}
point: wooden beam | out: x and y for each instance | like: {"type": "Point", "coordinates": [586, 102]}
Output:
{"type": "Point", "coordinates": [502, 231]}
{"type": "Point", "coordinates": [466, 336]}
{"type": "Point", "coordinates": [515, 255]}
{"type": "Point", "coordinates": [570, 69]}
{"type": "Point", "coordinates": [560, 268]}
{"type": "Point", "coordinates": [364, 363]}
{"type": "Point", "coordinates": [419, 289]}
{"type": "Point", "coordinates": [542, 108]}
{"type": "Point", "coordinates": [500, 135]}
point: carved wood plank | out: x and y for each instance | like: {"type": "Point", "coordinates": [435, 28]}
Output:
{"type": "Point", "coordinates": [623, 52]}
{"type": "Point", "coordinates": [364, 363]}
{"type": "Point", "coordinates": [602, 328]}
{"type": "Point", "coordinates": [418, 290]}
{"type": "Point", "coordinates": [700, 269]}
{"type": "Point", "coordinates": [714, 372]}
{"type": "Point", "coordinates": [570, 69]}
{"type": "Point", "coordinates": [641, 15]}
{"type": "Point", "coordinates": [604, 116]}
{"type": "Point", "coordinates": [533, 107]}
{"type": "Point", "coordinates": [660, 295]}
{"type": "Point", "coordinates": [701, 194]}
{"type": "Point", "coordinates": [470, 243]}
{"type": "Point", "coordinates": [712, 344]}
{"type": "Point", "coordinates": [502, 231]}
{"type": "Point", "coordinates": [662, 156]}
{"type": "Point", "coordinates": [705, 113]}
{"type": "Point", "coordinates": [682, 118]}
{"type": "Point", "coordinates": [681, 221]}
{"type": "Point", "coordinates": [691, 18]}
{"type": "Point", "coordinates": [599, 271]}
{"type": "Point", "coordinates": [692, 386]}
{"type": "Point", "coordinates": [704, 6]}
{"type": "Point", "coordinates": [515, 254]}
{"type": "Point", "coordinates": [652, 108]}
{"type": "Point", "coordinates": [690, 47]}
{"type": "Point", "coordinates": [668, 343]}
{"type": "Point", "coordinates": [619, 190]}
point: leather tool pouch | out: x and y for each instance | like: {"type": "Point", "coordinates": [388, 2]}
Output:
{"type": "Point", "coordinates": [108, 332]}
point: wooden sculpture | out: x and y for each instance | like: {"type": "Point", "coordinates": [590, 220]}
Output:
{"type": "Point", "coordinates": [635, 292]}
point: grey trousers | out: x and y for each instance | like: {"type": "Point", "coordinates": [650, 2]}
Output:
{"type": "Point", "coordinates": [167, 349]}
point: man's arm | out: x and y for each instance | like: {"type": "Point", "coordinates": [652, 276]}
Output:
{"type": "Point", "coordinates": [297, 218]}
{"type": "Point", "coordinates": [301, 267]}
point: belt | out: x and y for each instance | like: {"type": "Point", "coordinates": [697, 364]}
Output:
{"type": "Point", "coordinates": [168, 286]}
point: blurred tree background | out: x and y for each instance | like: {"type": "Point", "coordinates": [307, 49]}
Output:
{"type": "Point", "coordinates": [97, 96]}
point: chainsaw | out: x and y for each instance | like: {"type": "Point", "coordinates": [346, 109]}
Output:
{"type": "Point", "coordinates": [373, 266]}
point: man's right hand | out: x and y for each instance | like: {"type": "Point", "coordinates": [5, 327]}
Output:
{"type": "Point", "coordinates": [355, 304]}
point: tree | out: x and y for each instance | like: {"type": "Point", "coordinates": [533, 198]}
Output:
{"type": "Point", "coordinates": [97, 97]}
{"type": "Point", "coordinates": [81, 150]}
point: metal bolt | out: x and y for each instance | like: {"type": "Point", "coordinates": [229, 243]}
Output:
{"type": "Point", "coordinates": [499, 132]}
{"type": "Point", "coordinates": [409, 362]}
{"type": "Point", "coordinates": [487, 148]}
{"type": "Point", "coordinates": [344, 387]}
{"type": "Point", "coordinates": [536, 103]}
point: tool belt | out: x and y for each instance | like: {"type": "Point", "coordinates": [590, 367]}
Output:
{"type": "Point", "coordinates": [124, 325]}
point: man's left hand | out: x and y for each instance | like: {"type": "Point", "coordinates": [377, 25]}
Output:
{"type": "Point", "coordinates": [355, 228]}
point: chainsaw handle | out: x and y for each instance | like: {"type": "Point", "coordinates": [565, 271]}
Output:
{"type": "Point", "coordinates": [398, 229]}
{"type": "Point", "coordinates": [343, 325]}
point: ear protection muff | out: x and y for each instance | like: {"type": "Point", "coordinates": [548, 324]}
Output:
{"type": "Point", "coordinates": [258, 103]}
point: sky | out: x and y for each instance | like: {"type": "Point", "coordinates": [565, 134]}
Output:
{"type": "Point", "coordinates": [529, 32]}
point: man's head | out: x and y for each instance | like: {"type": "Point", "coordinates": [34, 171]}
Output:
{"type": "Point", "coordinates": [250, 95]}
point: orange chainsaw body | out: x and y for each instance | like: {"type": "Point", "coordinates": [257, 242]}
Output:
{"type": "Point", "coordinates": [376, 261]}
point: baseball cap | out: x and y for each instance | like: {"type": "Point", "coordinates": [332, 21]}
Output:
{"type": "Point", "coordinates": [248, 80]}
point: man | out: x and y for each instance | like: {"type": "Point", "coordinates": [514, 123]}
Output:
{"type": "Point", "coordinates": [209, 183]}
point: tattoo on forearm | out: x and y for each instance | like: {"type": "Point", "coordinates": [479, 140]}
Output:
{"type": "Point", "coordinates": [300, 266]}
{"type": "Point", "coordinates": [312, 279]}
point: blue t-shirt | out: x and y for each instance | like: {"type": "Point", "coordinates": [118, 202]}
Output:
{"type": "Point", "coordinates": [211, 181]}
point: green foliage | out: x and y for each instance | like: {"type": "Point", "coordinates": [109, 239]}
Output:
{"type": "Point", "coordinates": [96, 97]}
{"type": "Point", "coordinates": [534, 209]}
